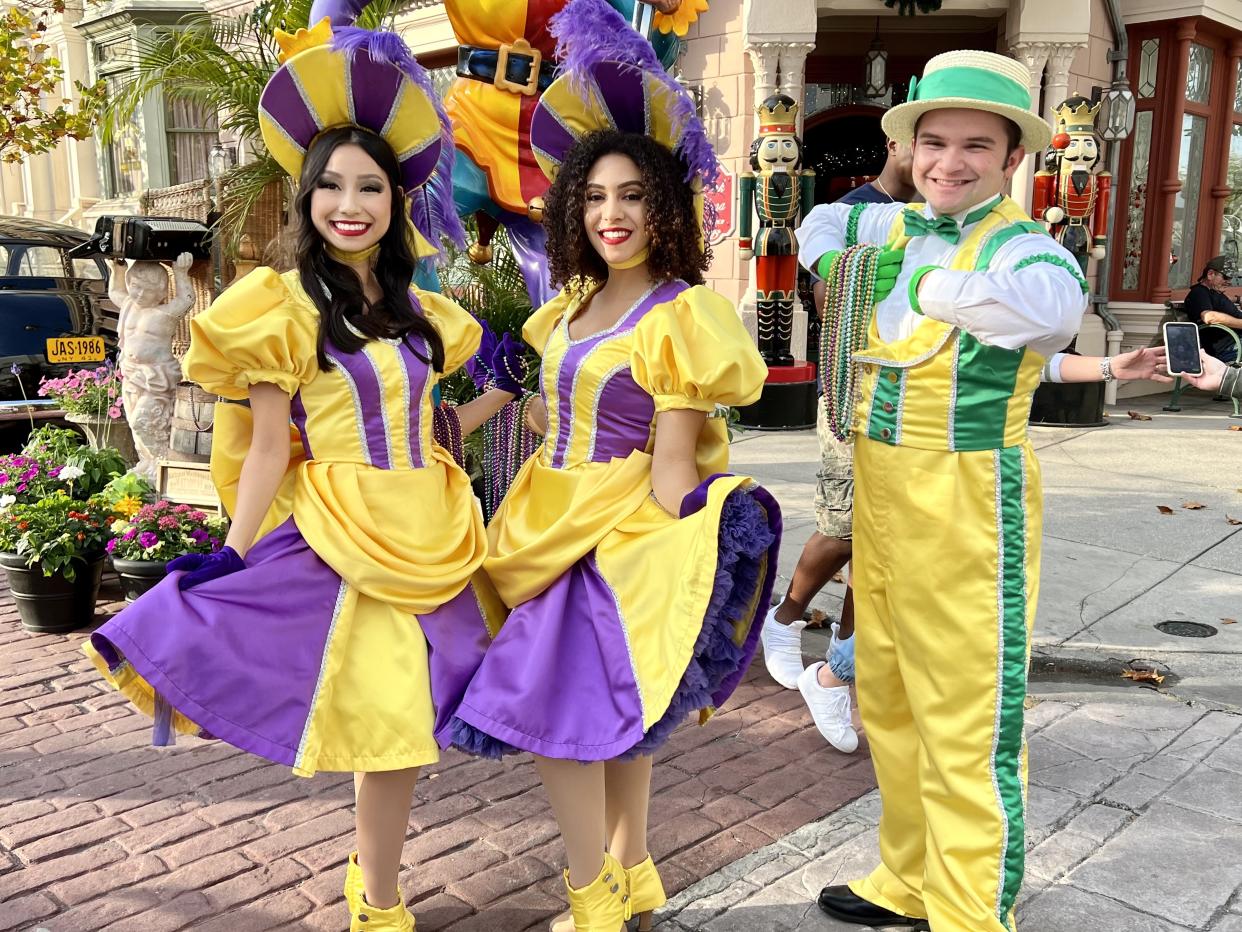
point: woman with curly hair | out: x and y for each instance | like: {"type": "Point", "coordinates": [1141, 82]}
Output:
{"type": "Point", "coordinates": [634, 570]}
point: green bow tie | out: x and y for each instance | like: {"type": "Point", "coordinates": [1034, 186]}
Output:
{"type": "Point", "coordinates": [944, 227]}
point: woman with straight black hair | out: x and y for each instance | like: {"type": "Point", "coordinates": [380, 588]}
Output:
{"type": "Point", "coordinates": [339, 625]}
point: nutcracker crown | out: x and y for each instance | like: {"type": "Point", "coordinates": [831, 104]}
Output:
{"type": "Point", "coordinates": [778, 114]}
{"type": "Point", "coordinates": [1076, 115]}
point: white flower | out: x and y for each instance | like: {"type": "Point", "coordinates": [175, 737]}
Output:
{"type": "Point", "coordinates": [69, 473]}
{"type": "Point", "coordinates": [6, 501]}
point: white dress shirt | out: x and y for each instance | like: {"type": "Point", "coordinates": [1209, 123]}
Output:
{"type": "Point", "coordinates": [1040, 305]}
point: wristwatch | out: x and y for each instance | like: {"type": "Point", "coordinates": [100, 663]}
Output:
{"type": "Point", "coordinates": [1106, 369]}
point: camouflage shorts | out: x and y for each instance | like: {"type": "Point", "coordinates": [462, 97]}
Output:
{"type": "Point", "coordinates": [834, 485]}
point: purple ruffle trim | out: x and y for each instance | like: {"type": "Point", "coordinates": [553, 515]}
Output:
{"type": "Point", "coordinates": [745, 536]}
{"type": "Point", "coordinates": [466, 737]}
{"type": "Point", "coordinates": [747, 532]}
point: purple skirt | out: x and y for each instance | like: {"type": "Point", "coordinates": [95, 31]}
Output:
{"type": "Point", "coordinates": [245, 657]}
{"type": "Point", "coordinates": [558, 682]}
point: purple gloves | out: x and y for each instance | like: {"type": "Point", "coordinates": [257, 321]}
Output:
{"type": "Point", "coordinates": [204, 567]}
{"type": "Point", "coordinates": [498, 363]}
{"type": "Point", "coordinates": [480, 364]}
{"type": "Point", "coordinates": [509, 365]}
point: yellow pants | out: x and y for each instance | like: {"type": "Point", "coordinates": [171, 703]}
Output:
{"type": "Point", "coordinates": [946, 574]}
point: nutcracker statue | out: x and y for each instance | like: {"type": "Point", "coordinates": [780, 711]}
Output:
{"type": "Point", "coordinates": [781, 193]}
{"type": "Point", "coordinates": [1070, 195]}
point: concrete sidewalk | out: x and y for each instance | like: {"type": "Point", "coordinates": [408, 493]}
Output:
{"type": "Point", "coordinates": [1114, 565]}
{"type": "Point", "coordinates": [1134, 825]}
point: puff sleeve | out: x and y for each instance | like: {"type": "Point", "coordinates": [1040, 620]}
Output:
{"type": "Point", "coordinates": [539, 326]}
{"type": "Point", "coordinates": [693, 352]}
{"type": "Point", "coordinates": [257, 331]}
{"type": "Point", "coordinates": [459, 331]}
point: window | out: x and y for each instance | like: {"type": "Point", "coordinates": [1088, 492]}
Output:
{"type": "Point", "coordinates": [121, 158]}
{"type": "Point", "coordinates": [192, 131]}
{"type": "Point", "coordinates": [38, 262]}
{"type": "Point", "coordinates": [1188, 125]}
{"type": "Point", "coordinates": [1186, 204]}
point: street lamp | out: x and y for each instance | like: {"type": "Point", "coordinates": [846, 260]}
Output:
{"type": "Point", "coordinates": [1117, 111]}
{"type": "Point", "coordinates": [876, 80]}
{"type": "Point", "coordinates": [219, 162]}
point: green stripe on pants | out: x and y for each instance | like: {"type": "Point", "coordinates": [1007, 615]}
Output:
{"type": "Point", "coordinates": [1011, 670]}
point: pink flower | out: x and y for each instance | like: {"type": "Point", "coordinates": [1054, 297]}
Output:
{"type": "Point", "coordinates": [114, 412]}
{"type": "Point", "coordinates": [168, 523]}
{"type": "Point", "coordinates": [181, 509]}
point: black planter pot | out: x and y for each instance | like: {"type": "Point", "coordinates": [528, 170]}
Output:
{"type": "Point", "coordinates": [53, 604]}
{"type": "Point", "coordinates": [138, 576]}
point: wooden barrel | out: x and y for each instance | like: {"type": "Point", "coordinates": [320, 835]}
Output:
{"type": "Point", "coordinates": [191, 424]}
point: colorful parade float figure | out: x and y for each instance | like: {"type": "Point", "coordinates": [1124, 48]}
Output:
{"type": "Point", "coordinates": [779, 192]}
{"type": "Point", "coordinates": [505, 61]}
{"type": "Point", "coordinates": [1071, 194]}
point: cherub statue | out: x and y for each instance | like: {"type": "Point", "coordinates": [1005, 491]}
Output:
{"type": "Point", "coordinates": [149, 371]}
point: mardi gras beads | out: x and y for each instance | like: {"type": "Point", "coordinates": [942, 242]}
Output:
{"type": "Point", "coordinates": [848, 305]}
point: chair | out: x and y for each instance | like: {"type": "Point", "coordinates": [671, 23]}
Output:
{"type": "Point", "coordinates": [1176, 312]}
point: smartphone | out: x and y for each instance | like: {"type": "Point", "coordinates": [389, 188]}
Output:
{"type": "Point", "coordinates": [1181, 346]}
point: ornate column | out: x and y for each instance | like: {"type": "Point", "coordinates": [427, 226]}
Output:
{"type": "Point", "coordinates": [1035, 56]}
{"type": "Point", "coordinates": [793, 74]}
{"type": "Point", "coordinates": [1060, 57]}
{"type": "Point", "coordinates": [1170, 185]}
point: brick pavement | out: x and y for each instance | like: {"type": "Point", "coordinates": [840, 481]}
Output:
{"type": "Point", "coordinates": [100, 831]}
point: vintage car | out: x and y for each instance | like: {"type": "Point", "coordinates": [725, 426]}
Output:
{"type": "Point", "coordinates": [54, 316]}
{"type": "Point", "coordinates": [54, 310]}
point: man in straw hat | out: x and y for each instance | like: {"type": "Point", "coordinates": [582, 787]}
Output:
{"type": "Point", "coordinates": [970, 297]}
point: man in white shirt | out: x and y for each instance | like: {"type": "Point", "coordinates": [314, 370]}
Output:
{"type": "Point", "coordinates": [971, 298]}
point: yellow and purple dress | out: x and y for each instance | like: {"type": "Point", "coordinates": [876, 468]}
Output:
{"type": "Point", "coordinates": [360, 616]}
{"type": "Point", "coordinates": [624, 618]}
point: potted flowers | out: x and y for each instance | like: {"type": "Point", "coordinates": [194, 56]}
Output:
{"type": "Point", "coordinates": [53, 553]}
{"type": "Point", "coordinates": [91, 398]}
{"type": "Point", "coordinates": [53, 527]}
{"type": "Point", "coordinates": [143, 543]}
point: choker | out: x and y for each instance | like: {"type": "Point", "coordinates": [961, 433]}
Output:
{"type": "Point", "coordinates": [350, 258]}
{"type": "Point", "coordinates": [633, 262]}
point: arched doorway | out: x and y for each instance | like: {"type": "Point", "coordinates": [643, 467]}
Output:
{"type": "Point", "coordinates": [845, 147]}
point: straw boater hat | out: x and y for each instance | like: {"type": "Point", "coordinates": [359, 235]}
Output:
{"type": "Point", "coordinates": [333, 77]}
{"type": "Point", "coordinates": [971, 80]}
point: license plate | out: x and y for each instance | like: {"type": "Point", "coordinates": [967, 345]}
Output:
{"type": "Point", "coordinates": [75, 349]}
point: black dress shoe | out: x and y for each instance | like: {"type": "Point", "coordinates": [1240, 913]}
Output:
{"type": "Point", "coordinates": [840, 902]}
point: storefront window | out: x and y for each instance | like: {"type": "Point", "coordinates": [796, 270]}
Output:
{"type": "Point", "coordinates": [1231, 231]}
{"type": "Point", "coordinates": [1199, 74]}
{"type": "Point", "coordinates": [1148, 60]}
{"type": "Point", "coordinates": [1137, 205]}
{"type": "Point", "coordinates": [1186, 205]}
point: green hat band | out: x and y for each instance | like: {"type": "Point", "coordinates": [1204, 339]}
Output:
{"type": "Point", "coordinates": [972, 84]}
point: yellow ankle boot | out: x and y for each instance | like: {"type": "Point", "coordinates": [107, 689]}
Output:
{"type": "Point", "coordinates": [353, 883]}
{"type": "Point", "coordinates": [603, 904]}
{"type": "Point", "coordinates": [366, 918]}
{"type": "Point", "coordinates": [646, 891]}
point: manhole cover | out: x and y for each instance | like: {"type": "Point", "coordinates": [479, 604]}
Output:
{"type": "Point", "coordinates": [1186, 629]}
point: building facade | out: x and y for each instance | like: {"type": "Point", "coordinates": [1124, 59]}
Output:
{"type": "Point", "coordinates": [1178, 179]}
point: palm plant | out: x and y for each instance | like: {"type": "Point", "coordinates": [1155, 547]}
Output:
{"type": "Point", "coordinates": [222, 63]}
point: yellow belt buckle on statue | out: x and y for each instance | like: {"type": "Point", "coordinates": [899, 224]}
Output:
{"type": "Point", "coordinates": [523, 48]}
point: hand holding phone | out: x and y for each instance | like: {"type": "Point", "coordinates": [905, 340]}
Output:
{"type": "Point", "coordinates": [1181, 346]}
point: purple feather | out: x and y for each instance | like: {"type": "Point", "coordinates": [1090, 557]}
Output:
{"type": "Point", "coordinates": [339, 12]}
{"type": "Point", "coordinates": [431, 207]}
{"type": "Point", "coordinates": [589, 32]}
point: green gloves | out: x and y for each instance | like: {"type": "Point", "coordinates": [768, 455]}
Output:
{"type": "Point", "coordinates": [823, 268]}
{"type": "Point", "coordinates": [887, 271]}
